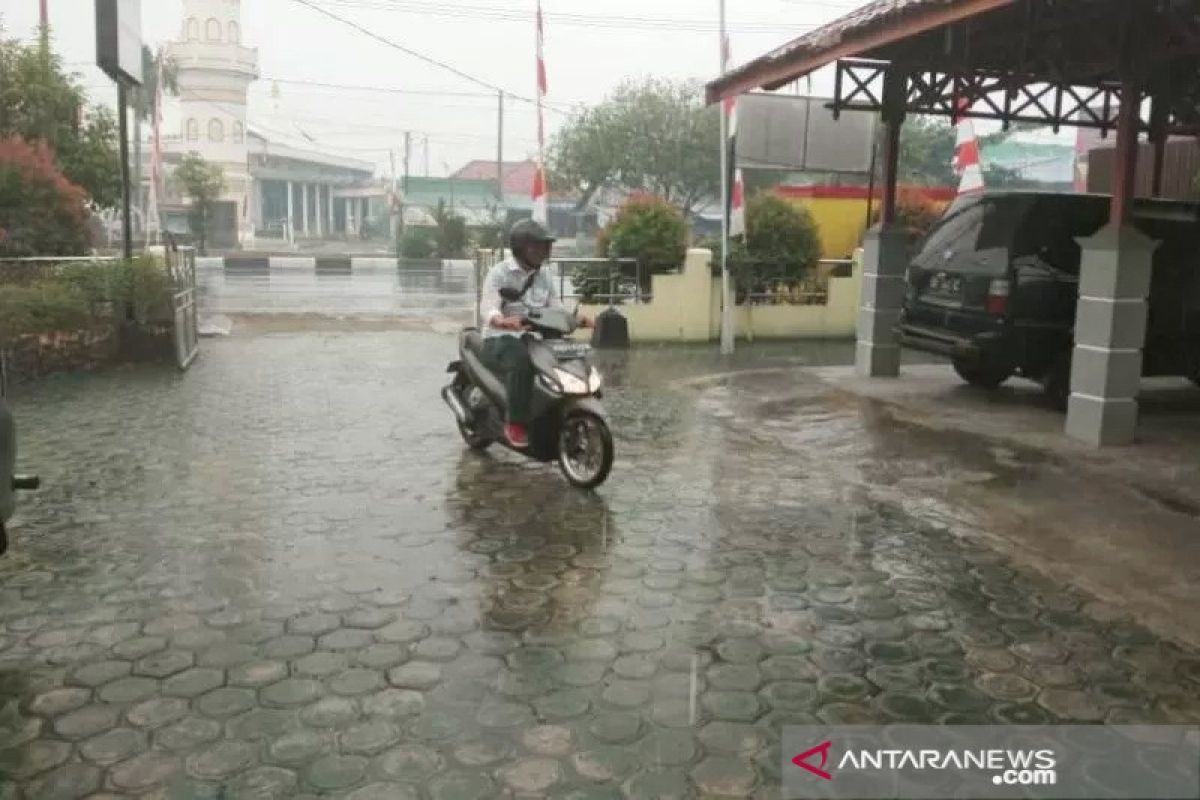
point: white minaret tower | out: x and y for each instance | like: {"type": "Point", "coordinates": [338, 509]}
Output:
{"type": "Point", "coordinates": [215, 73]}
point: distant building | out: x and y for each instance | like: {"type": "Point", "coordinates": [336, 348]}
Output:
{"type": "Point", "coordinates": [272, 190]}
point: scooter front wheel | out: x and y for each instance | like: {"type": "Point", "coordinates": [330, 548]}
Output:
{"type": "Point", "coordinates": [585, 449]}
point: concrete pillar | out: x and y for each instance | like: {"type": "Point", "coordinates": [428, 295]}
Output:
{"type": "Point", "coordinates": [291, 223]}
{"type": "Point", "coordinates": [885, 260]}
{"type": "Point", "coordinates": [317, 210]}
{"type": "Point", "coordinates": [304, 208]}
{"type": "Point", "coordinates": [329, 194]}
{"type": "Point", "coordinates": [1110, 331]}
{"type": "Point", "coordinates": [350, 216]}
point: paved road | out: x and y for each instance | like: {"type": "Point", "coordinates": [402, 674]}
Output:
{"type": "Point", "coordinates": [280, 575]}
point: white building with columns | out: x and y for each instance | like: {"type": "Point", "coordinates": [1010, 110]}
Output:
{"type": "Point", "coordinates": [272, 190]}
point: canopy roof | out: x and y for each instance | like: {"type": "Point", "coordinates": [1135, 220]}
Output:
{"type": "Point", "coordinates": [1094, 44]}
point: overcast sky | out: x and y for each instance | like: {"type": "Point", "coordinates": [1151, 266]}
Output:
{"type": "Point", "coordinates": [590, 47]}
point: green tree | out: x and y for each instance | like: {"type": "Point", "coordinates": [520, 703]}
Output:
{"type": "Point", "coordinates": [653, 136]}
{"type": "Point", "coordinates": [40, 102]}
{"type": "Point", "coordinates": [927, 153]}
{"type": "Point", "coordinates": [202, 183]}
{"type": "Point", "coordinates": [450, 234]}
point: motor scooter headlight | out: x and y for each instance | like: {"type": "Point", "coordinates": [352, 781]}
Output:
{"type": "Point", "coordinates": [595, 381]}
{"type": "Point", "coordinates": [571, 384]}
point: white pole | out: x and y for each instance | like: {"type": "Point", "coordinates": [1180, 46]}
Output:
{"type": "Point", "coordinates": [726, 297]}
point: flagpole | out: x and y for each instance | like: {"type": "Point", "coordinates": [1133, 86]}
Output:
{"type": "Point", "coordinates": [726, 298]}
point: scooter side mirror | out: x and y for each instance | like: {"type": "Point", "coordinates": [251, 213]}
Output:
{"type": "Point", "coordinates": [511, 295]}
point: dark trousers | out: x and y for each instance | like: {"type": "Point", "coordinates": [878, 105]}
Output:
{"type": "Point", "coordinates": [509, 358]}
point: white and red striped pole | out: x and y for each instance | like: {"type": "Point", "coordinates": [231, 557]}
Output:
{"type": "Point", "coordinates": [541, 211]}
{"type": "Point", "coordinates": [737, 196]}
{"type": "Point", "coordinates": [967, 162]}
{"type": "Point", "coordinates": [727, 296]}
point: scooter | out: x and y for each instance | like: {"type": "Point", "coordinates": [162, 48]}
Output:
{"type": "Point", "coordinates": [569, 424]}
{"type": "Point", "coordinates": [10, 482]}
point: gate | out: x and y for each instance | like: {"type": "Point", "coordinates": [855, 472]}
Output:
{"type": "Point", "coordinates": [181, 262]}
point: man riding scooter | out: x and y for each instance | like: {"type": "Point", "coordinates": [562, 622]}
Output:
{"type": "Point", "coordinates": [503, 351]}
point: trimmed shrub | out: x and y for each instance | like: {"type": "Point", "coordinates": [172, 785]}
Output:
{"type": "Point", "coordinates": [914, 212]}
{"type": "Point", "coordinates": [417, 243]}
{"type": "Point", "coordinates": [649, 229]}
{"type": "Point", "coordinates": [782, 243]}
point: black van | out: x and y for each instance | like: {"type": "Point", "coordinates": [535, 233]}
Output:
{"type": "Point", "coordinates": [994, 286]}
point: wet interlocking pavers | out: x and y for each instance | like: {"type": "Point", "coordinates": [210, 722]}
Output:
{"type": "Point", "coordinates": [280, 575]}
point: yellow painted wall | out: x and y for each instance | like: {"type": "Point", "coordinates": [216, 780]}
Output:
{"type": "Point", "coordinates": [687, 308]}
{"type": "Point", "coordinates": [840, 220]}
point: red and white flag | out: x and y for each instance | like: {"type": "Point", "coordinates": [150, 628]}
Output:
{"type": "Point", "coordinates": [736, 202]}
{"type": "Point", "coordinates": [150, 220]}
{"type": "Point", "coordinates": [967, 163]}
{"type": "Point", "coordinates": [541, 211]}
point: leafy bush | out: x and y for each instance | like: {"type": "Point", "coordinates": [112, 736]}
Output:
{"type": "Point", "coordinates": [649, 229]}
{"type": "Point", "coordinates": [450, 236]}
{"type": "Point", "coordinates": [84, 295]}
{"type": "Point", "coordinates": [41, 212]}
{"type": "Point", "coordinates": [42, 308]}
{"type": "Point", "coordinates": [782, 243]}
{"type": "Point", "coordinates": [914, 212]}
{"type": "Point", "coordinates": [417, 243]}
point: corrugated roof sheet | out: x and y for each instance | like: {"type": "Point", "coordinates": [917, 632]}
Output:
{"type": "Point", "coordinates": [857, 21]}
{"type": "Point", "coordinates": [872, 17]}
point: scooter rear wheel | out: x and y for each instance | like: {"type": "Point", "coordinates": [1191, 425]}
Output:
{"type": "Point", "coordinates": [585, 450]}
{"type": "Point", "coordinates": [469, 433]}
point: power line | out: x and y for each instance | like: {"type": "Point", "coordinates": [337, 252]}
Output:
{"type": "Point", "coordinates": [692, 25]}
{"type": "Point", "coordinates": [409, 51]}
{"type": "Point", "coordinates": [490, 96]}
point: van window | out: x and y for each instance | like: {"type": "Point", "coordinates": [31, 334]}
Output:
{"type": "Point", "coordinates": [956, 234]}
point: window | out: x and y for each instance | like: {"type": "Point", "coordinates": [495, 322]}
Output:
{"type": "Point", "coordinates": [216, 130]}
{"type": "Point", "coordinates": [238, 132]}
{"type": "Point", "coordinates": [235, 33]}
{"type": "Point", "coordinates": [213, 33]}
{"type": "Point", "coordinates": [193, 130]}
{"type": "Point", "coordinates": [193, 30]}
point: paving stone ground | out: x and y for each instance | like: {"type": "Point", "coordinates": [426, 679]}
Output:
{"type": "Point", "coordinates": [280, 575]}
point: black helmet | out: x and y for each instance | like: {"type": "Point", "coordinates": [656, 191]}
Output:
{"type": "Point", "coordinates": [527, 232]}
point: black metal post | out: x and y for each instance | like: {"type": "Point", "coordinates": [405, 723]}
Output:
{"type": "Point", "coordinates": [126, 213]}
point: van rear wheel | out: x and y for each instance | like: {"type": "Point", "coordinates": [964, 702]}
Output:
{"type": "Point", "coordinates": [981, 374]}
{"type": "Point", "coordinates": [1057, 381]}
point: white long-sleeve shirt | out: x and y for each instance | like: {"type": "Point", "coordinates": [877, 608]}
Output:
{"type": "Point", "coordinates": [511, 275]}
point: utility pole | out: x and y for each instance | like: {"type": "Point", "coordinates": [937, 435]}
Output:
{"type": "Point", "coordinates": [397, 206]}
{"type": "Point", "coordinates": [123, 129]}
{"type": "Point", "coordinates": [500, 146]}
{"type": "Point", "coordinates": [407, 156]}
{"type": "Point", "coordinates": [44, 21]}
{"type": "Point", "coordinates": [425, 147]}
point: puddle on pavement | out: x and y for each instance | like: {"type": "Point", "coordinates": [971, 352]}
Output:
{"type": "Point", "coordinates": [290, 548]}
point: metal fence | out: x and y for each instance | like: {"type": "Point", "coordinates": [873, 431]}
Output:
{"type": "Point", "coordinates": [615, 281]}
{"type": "Point", "coordinates": [181, 266]}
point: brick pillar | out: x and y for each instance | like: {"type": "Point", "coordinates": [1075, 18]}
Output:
{"type": "Point", "coordinates": [1110, 331]}
{"type": "Point", "coordinates": [885, 261]}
